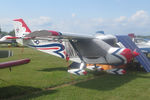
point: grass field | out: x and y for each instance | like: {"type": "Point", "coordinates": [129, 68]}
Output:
{"type": "Point", "coordinates": [46, 78]}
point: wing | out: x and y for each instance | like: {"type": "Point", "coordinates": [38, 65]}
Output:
{"type": "Point", "coordinates": [58, 35]}
{"type": "Point", "coordinates": [85, 47]}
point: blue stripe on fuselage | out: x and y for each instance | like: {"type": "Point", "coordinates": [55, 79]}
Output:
{"type": "Point", "coordinates": [52, 45]}
{"type": "Point", "coordinates": [115, 54]}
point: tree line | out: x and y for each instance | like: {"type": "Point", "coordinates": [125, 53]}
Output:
{"type": "Point", "coordinates": [3, 33]}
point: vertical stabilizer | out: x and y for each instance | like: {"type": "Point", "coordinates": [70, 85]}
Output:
{"type": "Point", "coordinates": [21, 29]}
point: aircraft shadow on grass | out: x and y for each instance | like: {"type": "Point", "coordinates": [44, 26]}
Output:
{"type": "Point", "coordinates": [19, 91]}
{"type": "Point", "coordinates": [108, 82]}
{"type": "Point", "coordinates": [105, 81]}
{"type": "Point", "coordinates": [42, 93]}
{"type": "Point", "coordinates": [54, 69]}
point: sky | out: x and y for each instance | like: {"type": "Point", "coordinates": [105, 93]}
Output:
{"type": "Point", "coordinates": [79, 16]}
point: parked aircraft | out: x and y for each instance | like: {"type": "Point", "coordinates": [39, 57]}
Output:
{"type": "Point", "coordinates": [142, 43]}
{"type": "Point", "coordinates": [4, 40]}
{"type": "Point", "coordinates": [82, 49]}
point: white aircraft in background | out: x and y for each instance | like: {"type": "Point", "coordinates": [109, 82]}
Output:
{"type": "Point", "coordinates": [82, 49]}
{"type": "Point", "coordinates": [5, 39]}
{"type": "Point", "coordinates": [142, 43]}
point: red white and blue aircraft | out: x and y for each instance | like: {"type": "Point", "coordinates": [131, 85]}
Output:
{"type": "Point", "coordinates": [82, 49]}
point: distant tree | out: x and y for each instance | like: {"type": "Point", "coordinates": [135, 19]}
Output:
{"type": "Point", "coordinates": [12, 33]}
{"type": "Point", "coordinates": [3, 33]}
{"type": "Point", "coordinates": [0, 30]}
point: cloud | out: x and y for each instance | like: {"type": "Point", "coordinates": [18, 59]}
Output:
{"type": "Point", "coordinates": [121, 19]}
{"type": "Point", "coordinates": [5, 21]}
{"type": "Point", "coordinates": [139, 15]}
{"type": "Point", "coordinates": [139, 23]}
{"type": "Point", "coordinates": [5, 24]}
{"type": "Point", "coordinates": [43, 22]}
{"type": "Point", "coordinates": [73, 15]}
{"type": "Point", "coordinates": [77, 25]}
{"type": "Point", "coordinates": [39, 21]}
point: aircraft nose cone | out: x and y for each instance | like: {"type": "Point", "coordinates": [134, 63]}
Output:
{"type": "Point", "coordinates": [129, 54]}
{"type": "Point", "coordinates": [135, 53]}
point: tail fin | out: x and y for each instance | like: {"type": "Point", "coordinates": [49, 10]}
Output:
{"type": "Point", "coordinates": [21, 29]}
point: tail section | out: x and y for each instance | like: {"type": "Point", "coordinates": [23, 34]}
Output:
{"type": "Point", "coordinates": [21, 29]}
{"type": "Point", "coordinates": [50, 47]}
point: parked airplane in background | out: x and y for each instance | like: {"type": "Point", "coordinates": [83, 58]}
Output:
{"type": "Point", "coordinates": [5, 40]}
{"type": "Point", "coordinates": [142, 43]}
{"type": "Point", "coordinates": [82, 49]}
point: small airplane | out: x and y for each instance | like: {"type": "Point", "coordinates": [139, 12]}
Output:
{"type": "Point", "coordinates": [86, 51]}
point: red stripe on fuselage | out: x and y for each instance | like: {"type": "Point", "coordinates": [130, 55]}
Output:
{"type": "Point", "coordinates": [48, 48]}
{"type": "Point", "coordinates": [12, 37]}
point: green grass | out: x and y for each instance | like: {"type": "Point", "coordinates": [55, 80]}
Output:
{"type": "Point", "coordinates": [132, 86]}
{"type": "Point", "coordinates": [42, 72]}
{"type": "Point", "coordinates": [28, 82]}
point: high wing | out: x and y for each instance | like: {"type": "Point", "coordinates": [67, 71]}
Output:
{"type": "Point", "coordinates": [58, 35]}
{"type": "Point", "coordinates": [86, 47]}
